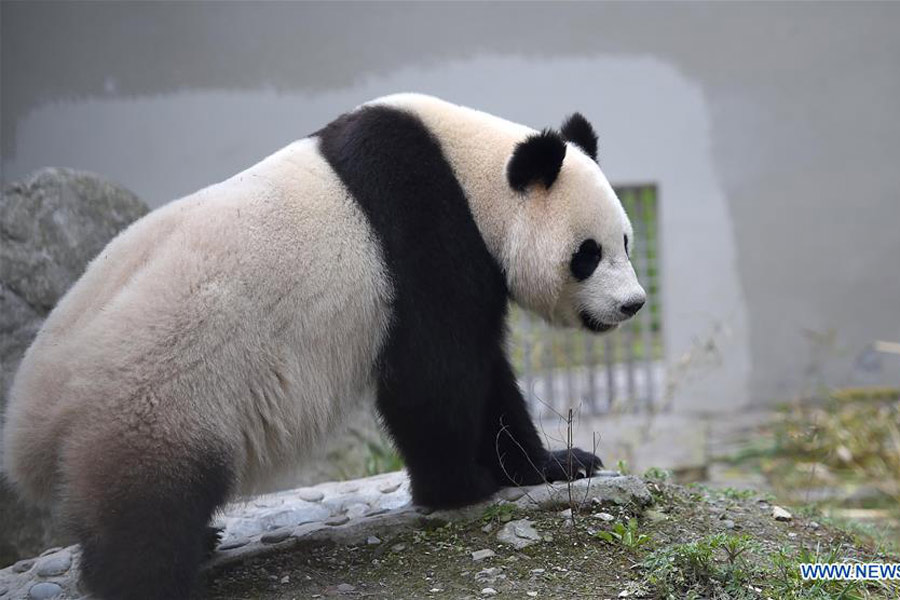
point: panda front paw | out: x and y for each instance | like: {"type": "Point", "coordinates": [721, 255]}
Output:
{"type": "Point", "coordinates": [563, 465]}
{"type": "Point", "coordinates": [211, 538]}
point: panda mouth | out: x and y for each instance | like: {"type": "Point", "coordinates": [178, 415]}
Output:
{"type": "Point", "coordinates": [593, 324]}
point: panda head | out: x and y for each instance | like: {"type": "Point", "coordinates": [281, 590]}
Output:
{"type": "Point", "coordinates": [567, 252]}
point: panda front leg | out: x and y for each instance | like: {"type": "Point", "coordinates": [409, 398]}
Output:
{"type": "Point", "coordinates": [432, 405]}
{"type": "Point", "coordinates": [511, 444]}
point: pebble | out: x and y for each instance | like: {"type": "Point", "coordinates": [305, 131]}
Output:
{"type": "Point", "coordinates": [479, 555]}
{"type": "Point", "coordinates": [57, 564]}
{"type": "Point", "coordinates": [781, 514]}
{"type": "Point", "coordinates": [389, 487]}
{"type": "Point", "coordinates": [511, 494]}
{"type": "Point", "coordinates": [728, 524]}
{"type": "Point", "coordinates": [373, 540]}
{"type": "Point", "coordinates": [286, 579]}
{"type": "Point", "coordinates": [489, 575]}
{"type": "Point", "coordinates": [337, 520]}
{"type": "Point", "coordinates": [604, 516]}
{"type": "Point", "coordinates": [345, 588]}
{"type": "Point", "coordinates": [814, 525]}
{"type": "Point", "coordinates": [44, 591]}
{"type": "Point", "coordinates": [232, 544]}
{"type": "Point", "coordinates": [520, 534]}
{"type": "Point", "coordinates": [310, 495]}
{"type": "Point", "coordinates": [273, 537]}
{"type": "Point", "coordinates": [531, 594]}
{"type": "Point", "coordinates": [565, 514]}
{"type": "Point", "coordinates": [398, 547]}
{"type": "Point", "coordinates": [538, 571]}
{"type": "Point", "coordinates": [23, 565]}
{"type": "Point", "coordinates": [354, 511]}
{"type": "Point", "coordinates": [488, 528]}
{"type": "Point", "coordinates": [488, 591]}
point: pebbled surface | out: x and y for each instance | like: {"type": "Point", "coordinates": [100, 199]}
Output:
{"type": "Point", "coordinates": [347, 512]}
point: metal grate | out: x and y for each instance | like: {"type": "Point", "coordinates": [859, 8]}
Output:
{"type": "Point", "coordinates": [621, 371]}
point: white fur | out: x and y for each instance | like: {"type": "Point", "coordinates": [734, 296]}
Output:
{"type": "Point", "coordinates": [534, 235]}
{"type": "Point", "coordinates": [255, 307]}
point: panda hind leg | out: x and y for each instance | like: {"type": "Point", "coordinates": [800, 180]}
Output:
{"type": "Point", "coordinates": [144, 524]}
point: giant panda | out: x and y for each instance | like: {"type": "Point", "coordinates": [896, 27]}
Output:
{"type": "Point", "coordinates": [221, 338]}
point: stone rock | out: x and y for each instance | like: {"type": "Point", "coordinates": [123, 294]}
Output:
{"type": "Point", "coordinates": [293, 516]}
{"type": "Point", "coordinates": [626, 489]}
{"type": "Point", "coordinates": [51, 225]}
{"type": "Point", "coordinates": [44, 591]}
{"type": "Point", "coordinates": [489, 575]}
{"type": "Point", "coordinates": [234, 543]}
{"type": "Point", "coordinates": [23, 565]}
{"type": "Point", "coordinates": [345, 588]}
{"type": "Point", "coordinates": [780, 514]}
{"type": "Point", "coordinates": [728, 524]}
{"type": "Point", "coordinates": [337, 520]}
{"type": "Point", "coordinates": [389, 487]}
{"type": "Point", "coordinates": [488, 591]}
{"type": "Point", "coordinates": [354, 511]}
{"type": "Point", "coordinates": [511, 494]}
{"type": "Point", "coordinates": [310, 494]}
{"type": "Point", "coordinates": [519, 534]}
{"type": "Point", "coordinates": [373, 540]}
{"type": "Point", "coordinates": [480, 555]}
{"type": "Point", "coordinates": [275, 537]}
{"type": "Point", "coordinates": [55, 564]}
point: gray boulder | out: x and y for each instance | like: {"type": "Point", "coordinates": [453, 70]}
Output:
{"type": "Point", "coordinates": [51, 225]}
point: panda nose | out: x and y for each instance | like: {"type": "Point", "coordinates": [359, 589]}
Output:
{"type": "Point", "coordinates": [631, 308]}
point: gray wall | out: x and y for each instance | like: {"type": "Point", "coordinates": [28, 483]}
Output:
{"type": "Point", "coordinates": [773, 131]}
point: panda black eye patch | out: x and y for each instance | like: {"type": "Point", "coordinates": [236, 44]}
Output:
{"type": "Point", "coordinates": [586, 259]}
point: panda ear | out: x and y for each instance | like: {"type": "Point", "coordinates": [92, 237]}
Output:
{"type": "Point", "coordinates": [537, 159]}
{"type": "Point", "coordinates": [577, 130]}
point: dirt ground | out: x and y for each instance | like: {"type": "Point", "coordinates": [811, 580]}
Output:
{"type": "Point", "coordinates": [692, 543]}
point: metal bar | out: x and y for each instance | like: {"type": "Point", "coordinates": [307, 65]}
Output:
{"type": "Point", "coordinates": [610, 380]}
{"type": "Point", "coordinates": [628, 337]}
{"type": "Point", "coordinates": [568, 340]}
{"type": "Point", "coordinates": [524, 325]}
{"type": "Point", "coordinates": [590, 372]}
{"type": "Point", "coordinates": [549, 367]}
{"type": "Point", "coordinates": [650, 208]}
